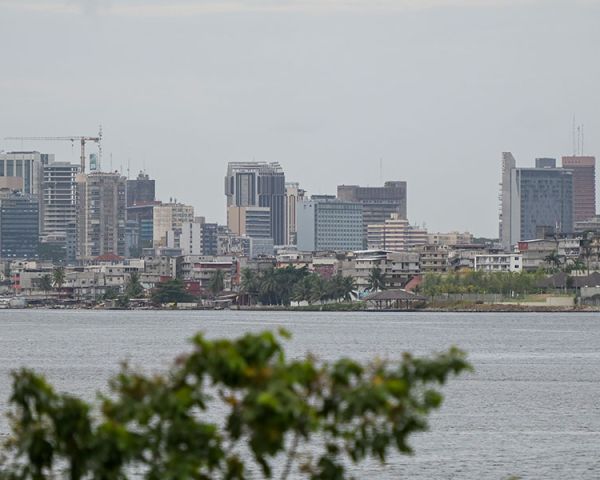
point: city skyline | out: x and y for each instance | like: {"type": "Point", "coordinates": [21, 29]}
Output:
{"type": "Point", "coordinates": [328, 94]}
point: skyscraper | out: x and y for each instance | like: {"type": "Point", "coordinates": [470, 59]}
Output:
{"type": "Point", "coordinates": [60, 206]}
{"type": "Point", "coordinates": [140, 191]}
{"type": "Point", "coordinates": [293, 195]}
{"type": "Point", "coordinates": [259, 184]}
{"type": "Point", "coordinates": [26, 165]}
{"type": "Point", "coordinates": [584, 186]}
{"type": "Point", "coordinates": [167, 217]}
{"type": "Point", "coordinates": [534, 201]}
{"type": "Point", "coordinates": [379, 203]}
{"type": "Point", "coordinates": [19, 225]}
{"type": "Point", "coordinates": [102, 214]}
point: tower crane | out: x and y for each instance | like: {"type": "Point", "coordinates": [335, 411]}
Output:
{"type": "Point", "coordinates": [81, 139]}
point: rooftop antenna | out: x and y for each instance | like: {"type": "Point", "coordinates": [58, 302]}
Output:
{"type": "Point", "coordinates": [111, 162]}
{"type": "Point", "coordinates": [380, 170]}
{"type": "Point", "coordinates": [573, 137]}
{"type": "Point", "coordinates": [581, 153]}
{"type": "Point", "coordinates": [128, 165]}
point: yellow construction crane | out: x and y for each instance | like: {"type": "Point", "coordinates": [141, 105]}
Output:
{"type": "Point", "coordinates": [73, 139]}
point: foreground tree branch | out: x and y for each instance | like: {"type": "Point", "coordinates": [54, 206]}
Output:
{"type": "Point", "coordinates": [158, 425]}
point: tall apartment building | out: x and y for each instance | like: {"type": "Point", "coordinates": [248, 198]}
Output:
{"type": "Point", "coordinates": [328, 224]}
{"type": "Point", "coordinates": [169, 216]}
{"type": "Point", "coordinates": [395, 235]}
{"type": "Point", "coordinates": [259, 184]}
{"type": "Point", "coordinates": [102, 214]}
{"type": "Point", "coordinates": [188, 238]}
{"type": "Point", "coordinates": [141, 191]}
{"type": "Point", "coordinates": [293, 195]}
{"type": "Point", "coordinates": [19, 225]}
{"type": "Point", "coordinates": [60, 204]}
{"type": "Point", "coordinates": [584, 186]}
{"type": "Point", "coordinates": [253, 222]}
{"type": "Point", "coordinates": [379, 203]}
{"type": "Point", "coordinates": [534, 200]}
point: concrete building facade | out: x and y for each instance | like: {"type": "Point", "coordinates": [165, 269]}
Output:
{"type": "Point", "coordinates": [293, 195]}
{"type": "Point", "coordinates": [584, 186]}
{"type": "Point", "coordinates": [141, 190]}
{"type": "Point", "coordinates": [379, 203]}
{"type": "Point", "coordinates": [251, 221]}
{"type": "Point", "coordinates": [395, 235]}
{"type": "Point", "coordinates": [102, 214]}
{"type": "Point", "coordinates": [327, 224]}
{"type": "Point", "coordinates": [169, 216]}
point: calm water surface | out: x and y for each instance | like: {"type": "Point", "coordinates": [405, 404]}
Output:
{"type": "Point", "coordinates": [532, 408]}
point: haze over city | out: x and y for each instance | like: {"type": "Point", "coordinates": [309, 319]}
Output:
{"type": "Point", "coordinates": [338, 92]}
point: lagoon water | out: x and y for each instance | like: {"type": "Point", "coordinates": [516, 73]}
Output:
{"type": "Point", "coordinates": [531, 409]}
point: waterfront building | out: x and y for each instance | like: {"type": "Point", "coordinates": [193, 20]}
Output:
{"type": "Point", "coordinates": [584, 186]}
{"type": "Point", "coordinates": [259, 184]}
{"type": "Point", "coordinates": [397, 268]}
{"type": "Point", "coordinates": [379, 203]}
{"type": "Point", "coordinates": [328, 224]}
{"type": "Point", "coordinates": [169, 216]}
{"type": "Point", "coordinates": [534, 201]}
{"type": "Point", "coordinates": [102, 214]}
{"type": "Point", "coordinates": [500, 262]}
{"type": "Point", "coordinates": [395, 234]}
{"type": "Point", "coordinates": [19, 225]}
{"type": "Point", "coordinates": [141, 191]}
{"type": "Point", "coordinates": [293, 195]}
{"type": "Point", "coordinates": [433, 258]}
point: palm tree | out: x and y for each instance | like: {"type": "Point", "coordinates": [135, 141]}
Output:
{"type": "Point", "coordinates": [347, 287]}
{"type": "Point", "coordinates": [553, 259]}
{"type": "Point", "coordinates": [318, 290]}
{"type": "Point", "coordinates": [45, 283]}
{"type": "Point", "coordinates": [302, 290]}
{"type": "Point", "coordinates": [217, 282]}
{"type": "Point", "coordinates": [134, 288]}
{"type": "Point", "coordinates": [376, 279]}
{"type": "Point", "coordinates": [249, 284]}
{"type": "Point", "coordinates": [58, 277]}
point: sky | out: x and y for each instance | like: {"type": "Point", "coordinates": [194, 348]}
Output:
{"type": "Point", "coordinates": [337, 91]}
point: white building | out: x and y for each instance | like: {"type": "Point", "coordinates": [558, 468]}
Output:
{"type": "Point", "coordinates": [500, 262]}
{"type": "Point", "coordinates": [169, 216]}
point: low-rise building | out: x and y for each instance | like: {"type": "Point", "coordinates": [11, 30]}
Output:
{"type": "Point", "coordinates": [500, 262]}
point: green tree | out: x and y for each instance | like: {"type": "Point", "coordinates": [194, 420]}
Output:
{"type": "Point", "coordinates": [216, 283]}
{"type": "Point", "coordinates": [172, 290]}
{"type": "Point", "coordinates": [159, 426]}
{"type": "Point", "coordinates": [376, 279]}
{"type": "Point", "coordinates": [45, 283]}
{"type": "Point", "coordinates": [554, 260]}
{"type": "Point", "coordinates": [134, 288]}
{"type": "Point", "coordinates": [59, 277]}
{"type": "Point", "coordinates": [249, 284]}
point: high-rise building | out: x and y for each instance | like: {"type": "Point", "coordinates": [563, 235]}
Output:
{"type": "Point", "coordinates": [584, 186]}
{"type": "Point", "coordinates": [293, 195]}
{"type": "Point", "coordinates": [379, 203]}
{"type": "Point", "coordinates": [28, 166]}
{"type": "Point", "coordinates": [19, 225]}
{"type": "Point", "coordinates": [188, 238]}
{"type": "Point", "coordinates": [328, 224]}
{"type": "Point", "coordinates": [102, 214]}
{"type": "Point", "coordinates": [253, 222]}
{"type": "Point", "coordinates": [141, 190]}
{"type": "Point", "coordinates": [169, 216]}
{"type": "Point", "coordinates": [259, 184]}
{"type": "Point", "coordinates": [534, 201]}
{"type": "Point", "coordinates": [60, 206]}
{"type": "Point", "coordinates": [395, 235]}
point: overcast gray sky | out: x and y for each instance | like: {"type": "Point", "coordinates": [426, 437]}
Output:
{"type": "Point", "coordinates": [435, 89]}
